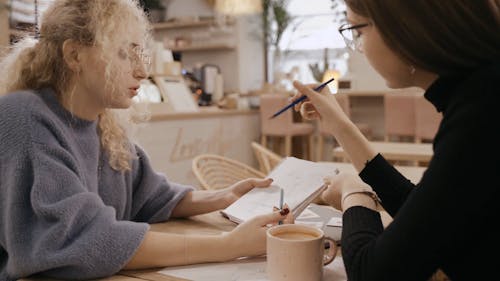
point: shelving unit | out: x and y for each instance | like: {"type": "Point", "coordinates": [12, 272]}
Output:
{"type": "Point", "coordinates": [184, 35]}
{"type": "Point", "coordinates": [204, 41]}
{"type": "Point", "coordinates": [207, 47]}
{"type": "Point", "coordinates": [191, 23]}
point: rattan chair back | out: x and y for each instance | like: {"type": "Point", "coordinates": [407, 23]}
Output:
{"type": "Point", "coordinates": [216, 172]}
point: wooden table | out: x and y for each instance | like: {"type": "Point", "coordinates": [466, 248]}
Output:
{"type": "Point", "coordinates": [396, 151]}
{"type": "Point", "coordinates": [413, 173]}
{"type": "Point", "coordinates": [213, 224]}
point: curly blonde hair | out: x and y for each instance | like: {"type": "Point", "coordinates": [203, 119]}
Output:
{"type": "Point", "coordinates": [36, 64]}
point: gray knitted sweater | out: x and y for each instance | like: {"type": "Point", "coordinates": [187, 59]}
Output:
{"type": "Point", "coordinates": [64, 212]}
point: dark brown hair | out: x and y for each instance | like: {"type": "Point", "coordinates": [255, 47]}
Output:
{"type": "Point", "coordinates": [444, 37]}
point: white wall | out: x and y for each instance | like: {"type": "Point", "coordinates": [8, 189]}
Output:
{"type": "Point", "coordinates": [364, 77]}
{"type": "Point", "coordinates": [187, 8]}
{"type": "Point", "coordinates": [250, 53]}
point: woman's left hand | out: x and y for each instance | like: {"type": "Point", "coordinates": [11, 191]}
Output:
{"type": "Point", "coordinates": [240, 188]}
{"type": "Point", "coordinates": [339, 184]}
{"type": "Point", "coordinates": [249, 238]}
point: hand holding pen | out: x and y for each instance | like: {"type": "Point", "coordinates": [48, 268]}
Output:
{"type": "Point", "coordinates": [282, 195]}
{"type": "Point", "coordinates": [283, 208]}
{"type": "Point", "coordinates": [301, 99]}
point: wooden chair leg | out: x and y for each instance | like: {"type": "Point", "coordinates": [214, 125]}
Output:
{"type": "Point", "coordinates": [263, 140]}
{"type": "Point", "coordinates": [311, 148]}
{"type": "Point", "coordinates": [288, 145]}
{"type": "Point", "coordinates": [320, 148]}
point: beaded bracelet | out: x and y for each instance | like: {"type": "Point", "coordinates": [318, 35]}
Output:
{"type": "Point", "coordinates": [365, 190]}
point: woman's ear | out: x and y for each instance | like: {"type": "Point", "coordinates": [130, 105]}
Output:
{"type": "Point", "coordinates": [71, 54]}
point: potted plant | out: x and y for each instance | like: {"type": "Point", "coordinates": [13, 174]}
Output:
{"type": "Point", "coordinates": [276, 20]}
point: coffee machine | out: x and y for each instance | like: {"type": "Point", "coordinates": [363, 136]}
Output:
{"type": "Point", "coordinates": [208, 76]}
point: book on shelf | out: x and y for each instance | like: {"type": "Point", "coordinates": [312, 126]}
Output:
{"type": "Point", "coordinates": [301, 181]}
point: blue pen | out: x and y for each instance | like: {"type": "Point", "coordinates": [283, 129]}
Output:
{"type": "Point", "coordinates": [301, 99]}
{"type": "Point", "coordinates": [282, 194]}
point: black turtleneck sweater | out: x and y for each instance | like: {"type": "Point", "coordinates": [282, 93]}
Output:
{"type": "Point", "coordinates": [448, 220]}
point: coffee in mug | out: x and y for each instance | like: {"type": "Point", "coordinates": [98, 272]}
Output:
{"type": "Point", "coordinates": [292, 235]}
{"type": "Point", "coordinates": [297, 252]}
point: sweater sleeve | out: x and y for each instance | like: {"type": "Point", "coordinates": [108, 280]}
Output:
{"type": "Point", "coordinates": [52, 225]}
{"type": "Point", "coordinates": [154, 196]}
{"type": "Point", "coordinates": [392, 187]}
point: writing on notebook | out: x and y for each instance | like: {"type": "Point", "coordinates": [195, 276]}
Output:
{"type": "Point", "coordinates": [301, 181]}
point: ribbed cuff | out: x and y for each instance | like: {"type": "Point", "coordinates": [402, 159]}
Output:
{"type": "Point", "coordinates": [358, 225]}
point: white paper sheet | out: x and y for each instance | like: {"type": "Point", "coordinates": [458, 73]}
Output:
{"type": "Point", "coordinates": [299, 179]}
{"type": "Point", "coordinates": [240, 270]}
{"type": "Point", "coordinates": [335, 221]}
{"type": "Point", "coordinates": [307, 214]}
{"type": "Point", "coordinates": [243, 270]}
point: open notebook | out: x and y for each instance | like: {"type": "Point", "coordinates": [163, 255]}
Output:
{"type": "Point", "coordinates": [301, 180]}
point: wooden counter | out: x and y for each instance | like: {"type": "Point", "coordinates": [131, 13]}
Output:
{"type": "Point", "coordinates": [159, 114]}
{"type": "Point", "coordinates": [172, 139]}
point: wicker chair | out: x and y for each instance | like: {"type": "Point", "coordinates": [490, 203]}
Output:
{"type": "Point", "coordinates": [216, 172]}
{"type": "Point", "coordinates": [267, 158]}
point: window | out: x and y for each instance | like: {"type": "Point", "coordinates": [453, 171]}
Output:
{"type": "Point", "coordinates": [314, 28]}
{"type": "Point", "coordinates": [23, 12]}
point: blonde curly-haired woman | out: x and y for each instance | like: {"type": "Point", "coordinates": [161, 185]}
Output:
{"type": "Point", "coordinates": [76, 195]}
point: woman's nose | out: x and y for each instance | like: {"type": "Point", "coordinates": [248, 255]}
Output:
{"type": "Point", "coordinates": [140, 72]}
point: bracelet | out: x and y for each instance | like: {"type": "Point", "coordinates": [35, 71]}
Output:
{"type": "Point", "coordinates": [364, 190]}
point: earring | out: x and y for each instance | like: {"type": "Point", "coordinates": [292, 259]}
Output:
{"type": "Point", "coordinates": [412, 70]}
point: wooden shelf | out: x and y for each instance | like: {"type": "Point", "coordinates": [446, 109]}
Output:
{"type": "Point", "coordinates": [187, 24]}
{"type": "Point", "coordinates": [212, 47]}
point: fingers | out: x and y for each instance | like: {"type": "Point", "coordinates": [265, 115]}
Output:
{"type": "Point", "coordinates": [289, 219]}
{"type": "Point", "coordinates": [304, 90]}
{"type": "Point", "coordinates": [271, 218]}
{"type": "Point", "coordinates": [255, 182]}
{"type": "Point", "coordinates": [308, 111]}
{"type": "Point", "coordinates": [298, 106]}
{"type": "Point", "coordinates": [284, 211]}
{"type": "Point", "coordinates": [328, 180]}
{"type": "Point", "coordinates": [262, 182]}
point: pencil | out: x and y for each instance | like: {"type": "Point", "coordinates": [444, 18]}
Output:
{"type": "Point", "coordinates": [301, 99]}
{"type": "Point", "coordinates": [282, 194]}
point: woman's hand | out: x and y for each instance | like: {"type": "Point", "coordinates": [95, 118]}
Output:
{"type": "Point", "coordinates": [249, 238]}
{"type": "Point", "coordinates": [322, 106]}
{"type": "Point", "coordinates": [235, 191]}
{"type": "Point", "coordinates": [338, 185]}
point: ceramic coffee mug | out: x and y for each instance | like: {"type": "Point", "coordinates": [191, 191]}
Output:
{"type": "Point", "coordinates": [297, 252]}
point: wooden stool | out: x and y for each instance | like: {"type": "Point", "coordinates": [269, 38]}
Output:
{"type": "Point", "coordinates": [283, 126]}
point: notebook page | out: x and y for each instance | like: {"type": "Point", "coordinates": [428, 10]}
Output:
{"type": "Point", "coordinates": [299, 180]}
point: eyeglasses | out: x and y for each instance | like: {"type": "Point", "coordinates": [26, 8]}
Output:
{"type": "Point", "coordinates": [137, 55]}
{"type": "Point", "coordinates": [351, 35]}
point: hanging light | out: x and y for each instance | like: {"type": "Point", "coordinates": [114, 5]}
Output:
{"type": "Point", "coordinates": [238, 7]}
